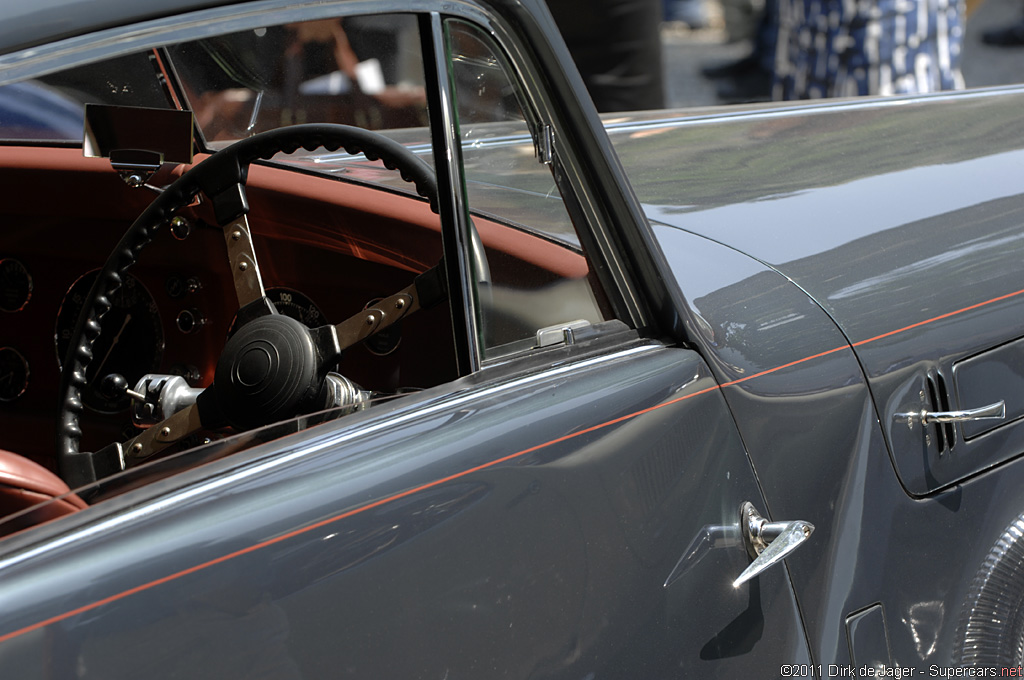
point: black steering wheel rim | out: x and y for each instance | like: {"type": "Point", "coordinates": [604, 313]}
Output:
{"type": "Point", "coordinates": [221, 177]}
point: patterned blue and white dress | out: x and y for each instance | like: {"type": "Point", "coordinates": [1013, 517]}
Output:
{"type": "Point", "coordinates": [842, 48]}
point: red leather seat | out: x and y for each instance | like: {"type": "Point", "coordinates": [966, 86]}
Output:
{"type": "Point", "coordinates": [25, 484]}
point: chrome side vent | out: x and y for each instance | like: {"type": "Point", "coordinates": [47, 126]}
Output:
{"type": "Point", "coordinates": [938, 397]}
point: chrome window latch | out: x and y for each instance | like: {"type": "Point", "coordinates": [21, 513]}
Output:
{"type": "Point", "coordinates": [562, 334]}
{"type": "Point", "coordinates": [544, 144]}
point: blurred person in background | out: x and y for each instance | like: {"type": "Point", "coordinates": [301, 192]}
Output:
{"type": "Point", "coordinates": [616, 45]}
{"type": "Point", "coordinates": [693, 15]}
{"type": "Point", "coordinates": [1005, 36]}
{"type": "Point", "coordinates": [749, 78]}
{"type": "Point", "coordinates": [832, 48]}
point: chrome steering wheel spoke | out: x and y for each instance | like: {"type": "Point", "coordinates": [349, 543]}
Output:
{"type": "Point", "coordinates": [373, 320]}
{"type": "Point", "coordinates": [245, 270]}
{"type": "Point", "coordinates": [170, 431]}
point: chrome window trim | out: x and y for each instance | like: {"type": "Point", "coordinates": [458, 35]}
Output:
{"type": "Point", "coordinates": [445, 136]}
{"type": "Point", "coordinates": [37, 61]}
{"type": "Point", "coordinates": [541, 111]}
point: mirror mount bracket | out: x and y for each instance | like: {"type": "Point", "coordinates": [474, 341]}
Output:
{"type": "Point", "coordinates": [136, 166]}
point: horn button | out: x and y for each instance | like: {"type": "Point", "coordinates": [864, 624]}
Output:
{"type": "Point", "coordinates": [268, 369]}
{"type": "Point", "coordinates": [255, 364]}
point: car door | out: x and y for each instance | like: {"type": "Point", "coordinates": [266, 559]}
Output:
{"type": "Point", "coordinates": [570, 507]}
{"type": "Point", "coordinates": [525, 525]}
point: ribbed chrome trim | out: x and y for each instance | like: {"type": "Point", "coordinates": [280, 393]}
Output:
{"type": "Point", "coordinates": [991, 626]}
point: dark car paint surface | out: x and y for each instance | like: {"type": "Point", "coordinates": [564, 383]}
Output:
{"type": "Point", "coordinates": [817, 265]}
{"type": "Point", "coordinates": [811, 429]}
{"type": "Point", "coordinates": [454, 568]}
{"type": "Point", "coordinates": [877, 270]}
{"type": "Point", "coordinates": [27, 24]}
{"type": "Point", "coordinates": [902, 234]}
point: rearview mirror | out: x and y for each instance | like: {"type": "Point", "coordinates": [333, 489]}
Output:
{"type": "Point", "coordinates": [138, 140]}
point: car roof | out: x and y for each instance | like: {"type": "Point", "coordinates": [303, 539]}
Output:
{"type": "Point", "coordinates": [37, 22]}
{"type": "Point", "coordinates": [27, 24]}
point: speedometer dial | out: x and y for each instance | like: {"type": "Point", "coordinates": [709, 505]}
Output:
{"type": "Point", "coordinates": [294, 304]}
{"type": "Point", "coordinates": [131, 343]}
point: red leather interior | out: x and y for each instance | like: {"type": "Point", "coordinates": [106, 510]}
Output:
{"type": "Point", "coordinates": [24, 484]}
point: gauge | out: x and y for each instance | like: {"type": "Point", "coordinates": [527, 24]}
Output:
{"type": "Point", "coordinates": [294, 304]}
{"type": "Point", "coordinates": [15, 285]}
{"type": "Point", "coordinates": [13, 374]}
{"type": "Point", "coordinates": [131, 343]}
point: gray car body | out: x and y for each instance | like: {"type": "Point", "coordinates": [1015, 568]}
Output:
{"type": "Point", "coordinates": [809, 266]}
{"type": "Point", "coordinates": [890, 218]}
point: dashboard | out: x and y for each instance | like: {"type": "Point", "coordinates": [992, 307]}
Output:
{"type": "Point", "coordinates": [325, 249]}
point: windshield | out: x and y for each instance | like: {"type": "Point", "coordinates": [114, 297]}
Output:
{"type": "Point", "coordinates": [364, 71]}
{"type": "Point", "coordinates": [51, 108]}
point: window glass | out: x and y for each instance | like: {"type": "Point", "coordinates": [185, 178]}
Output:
{"type": "Point", "coordinates": [52, 108]}
{"type": "Point", "coordinates": [516, 207]}
{"type": "Point", "coordinates": [365, 71]}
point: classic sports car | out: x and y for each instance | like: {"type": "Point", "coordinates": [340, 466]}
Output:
{"type": "Point", "coordinates": [344, 339]}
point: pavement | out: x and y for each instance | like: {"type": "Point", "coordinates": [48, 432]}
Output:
{"type": "Point", "coordinates": [685, 51]}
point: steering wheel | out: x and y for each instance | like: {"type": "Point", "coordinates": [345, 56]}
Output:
{"type": "Point", "coordinates": [273, 367]}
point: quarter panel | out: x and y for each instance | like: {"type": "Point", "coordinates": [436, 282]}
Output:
{"type": "Point", "coordinates": [803, 407]}
{"type": "Point", "coordinates": [907, 229]}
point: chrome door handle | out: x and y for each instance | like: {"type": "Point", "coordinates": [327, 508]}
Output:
{"type": "Point", "coordinates": [996, 411]}
{"type": "Point", "coordinates": [992, 411]}
{"type": "Point", "coordinates": [768, 542]}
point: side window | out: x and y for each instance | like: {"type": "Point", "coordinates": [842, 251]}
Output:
{"type": "Point", "coordinates": [537, 274]}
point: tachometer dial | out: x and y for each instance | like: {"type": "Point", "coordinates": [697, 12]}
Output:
{"type": "Point", "coordinates": [13, 374]}
{"type": "Point", "coordinates": [131, 343]}
{"type": "Point", "coordinates": [15, 285]}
